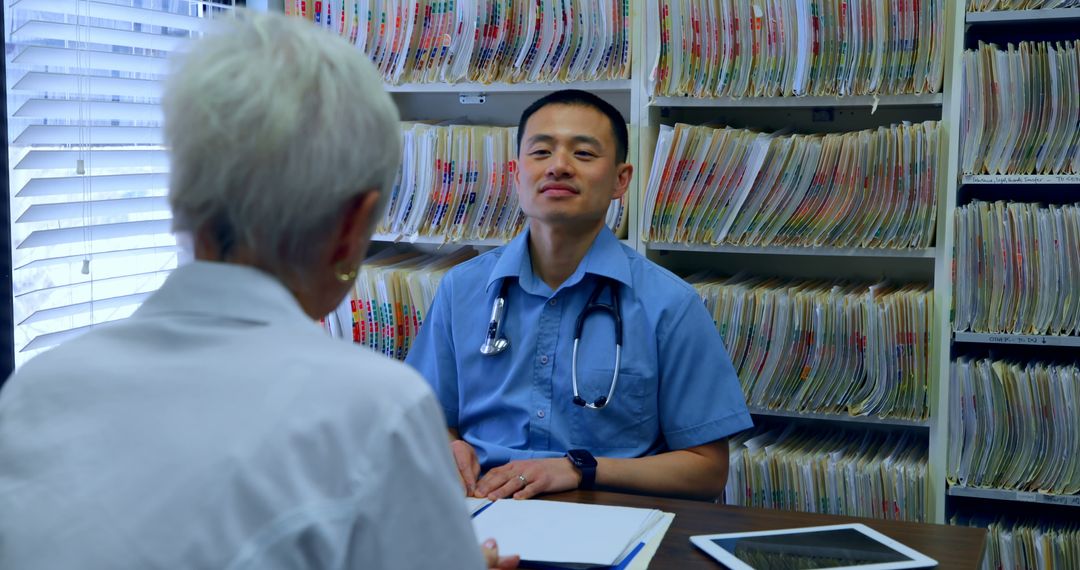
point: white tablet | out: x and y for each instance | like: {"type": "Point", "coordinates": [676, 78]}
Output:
{"type": "Point", "coordinates": [835, 547]}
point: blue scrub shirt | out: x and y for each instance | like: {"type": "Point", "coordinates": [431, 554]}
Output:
{"type": "Point", "coordinates": [677, 387]}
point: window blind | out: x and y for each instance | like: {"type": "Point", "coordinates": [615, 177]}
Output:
{"type": "Point", "coordinates": [88, 171]}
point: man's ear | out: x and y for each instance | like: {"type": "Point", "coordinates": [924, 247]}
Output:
{"type": "Point", "coordinates": [354, 230]}
{"type": "Point", "coordinates": [623, 174]}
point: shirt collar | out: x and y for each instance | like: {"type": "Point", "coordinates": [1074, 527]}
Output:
{"type": "Point", "coordinates": [605, 258]}
{"type": "Point", "coordinates": [224, 290]}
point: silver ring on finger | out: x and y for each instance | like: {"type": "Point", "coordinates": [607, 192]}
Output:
{"type": "Point", "coordinates": [523, 480]}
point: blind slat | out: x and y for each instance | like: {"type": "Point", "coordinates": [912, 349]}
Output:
{"type": "Point", "coordinates": [44, 82]}
{"type": "Point", "coordinates": [105, 11]}
{"type": "Point", "coordinates": [83, 308]}
{"type": "Point", "coordinates": [59, 159]}
{"type": "Point", "coordinates": [54, 135]}
{"type": "Point", "coordinates": [62, 185]}
{"type": "Point", "coordinates": [97, 60]}
{"type": "Point", "coordinates": [100, 255]}
{"type": "Point", "coordinates": [93, 208]}
{"type": "Point", "coordinates": [57, 31]}
{"type": "Point", "coordinates": [83, 288]}
{"type": "Point", "coordinates": [74, 110]}
{"type": "Point", "coordinates": [80, 234]}
{"type": "Point", "coordinates": [50, 340]}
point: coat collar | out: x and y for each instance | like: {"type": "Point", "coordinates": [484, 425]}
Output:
{"type": "Point", "coordinates": [224, 290]}
{"type": "Point", "coordinates": [605, 258]}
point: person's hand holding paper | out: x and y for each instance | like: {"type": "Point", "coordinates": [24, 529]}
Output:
{"type": "Point", "coordinates": [496, 562]}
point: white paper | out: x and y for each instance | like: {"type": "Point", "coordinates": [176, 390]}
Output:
{"type": "Point", "coordinates": [557, 532]}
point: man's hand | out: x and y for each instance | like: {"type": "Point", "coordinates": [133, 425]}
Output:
{"type": "Point", "coordinates": [496, 562]}
{"type": "Point", "coordinates": [467, 464]}
{"type": "Point", "coordinates": [528, 478]}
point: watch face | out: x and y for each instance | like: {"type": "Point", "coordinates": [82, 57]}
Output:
{"type": "Point", "coordinates": [582, 458]}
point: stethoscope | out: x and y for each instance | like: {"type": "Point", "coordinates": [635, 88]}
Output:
{"type": "Point", "coordinates": [495, 342]}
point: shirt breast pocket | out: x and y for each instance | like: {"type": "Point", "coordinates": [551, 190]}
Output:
{"type": "Point", "coordinates": [628, 421]}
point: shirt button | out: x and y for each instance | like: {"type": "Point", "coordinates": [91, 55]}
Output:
{"type": "Point", "coordinates": [543, 359]}
{"type": "Point", "coordinates": [553, 302]}
{"type": "Point", "coordinates": [539, 413]}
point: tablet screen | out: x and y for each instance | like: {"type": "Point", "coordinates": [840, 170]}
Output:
{"type": "Point", "coordinates": [809, 550]}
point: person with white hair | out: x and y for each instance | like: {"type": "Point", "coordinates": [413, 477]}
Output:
{"type": "Point", "coordinates": [219, 426]}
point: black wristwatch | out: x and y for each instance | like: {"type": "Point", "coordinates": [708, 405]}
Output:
{"type": "Point", "coordinates": [586, 464]}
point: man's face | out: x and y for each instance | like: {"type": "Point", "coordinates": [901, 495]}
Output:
{"type": "Point", "coordinates": [567, 173]}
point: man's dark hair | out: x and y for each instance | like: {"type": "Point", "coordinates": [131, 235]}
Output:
{"type": "Point", "coordinates": [582, 99]}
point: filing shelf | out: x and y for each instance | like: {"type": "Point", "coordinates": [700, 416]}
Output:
{"type": "Point", "coordinates": [840, 418]}
{"type": "Point", "coordinates": [1017, 339]}
{"type": "Point", "coordinates": [1001, 28]}
{"type": "Point", "coordinates": [807, 251]}
{"type": "Point", "coordinates": [596, 86]}
{"type": "Point", "coordinates": [1015, 496]}
{"type": "Point", "coordinates": [1036, 179]}
{"type": "Point", "coordinates": [929, 100]}
{"type": "Point", "coordinates": [1024, 16]}
{"type": "Point", "coordinates": [439, 241]}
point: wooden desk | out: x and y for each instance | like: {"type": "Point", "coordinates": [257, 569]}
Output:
{"type": "Point", "coordinates": [952, 546]}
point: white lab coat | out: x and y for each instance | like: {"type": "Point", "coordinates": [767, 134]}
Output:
{"type": "Point", "coordinates": [218, 427]}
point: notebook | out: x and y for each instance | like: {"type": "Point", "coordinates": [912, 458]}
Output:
{"type": "Point", "coordinates": [552, 534]}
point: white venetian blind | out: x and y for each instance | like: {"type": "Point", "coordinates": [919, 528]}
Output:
{"type": "Point", "coordinates": [88, 173]}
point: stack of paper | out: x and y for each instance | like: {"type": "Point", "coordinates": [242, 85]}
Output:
{"type": "Point", "coordinates": [1021, 113]}
{"type": "Point", "coordinates": [769, 48]}
{"type": "Point", "coordinates": [734, 186]}
{"type": "Point", "coordinates": [1012, 543]}
{"type": "Point", "coordinates": [839, 472]}
{"type": "Point", "coordinates": [1017, 269]}
{"type": "Point", "coordinates": [992, 5]}
{"type": "Point", "coordinates": [457, 183]}
{"type": "Point", "coordinates": [571, 535]}
{"type": "Point", "coordinates": [392, 295]}
{"type": "Point", "coordinates": [811, 346]}
{"type": "Point", "coordinates": [1032, 545]}
{"type": "Point", "coordinates": [516, 41]}
{"type": "Point", "coordinates": [1014, 426]}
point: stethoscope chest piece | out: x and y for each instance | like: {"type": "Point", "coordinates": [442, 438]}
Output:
{"type": "Point", "coordinates": [494, 340]}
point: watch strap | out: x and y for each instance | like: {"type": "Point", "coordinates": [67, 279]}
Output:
{"type": "Point", "coordinates": [586, 467]}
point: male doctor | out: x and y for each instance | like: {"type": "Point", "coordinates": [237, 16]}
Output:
{"type": "Point", "coordinates": [517, 424]}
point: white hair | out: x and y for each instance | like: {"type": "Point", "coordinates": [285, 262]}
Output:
{"type": "Point", "coordinates": [274, 126]}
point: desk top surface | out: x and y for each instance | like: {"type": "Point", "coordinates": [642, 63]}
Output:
{"type": "Point", "coordinates": [952, 546]}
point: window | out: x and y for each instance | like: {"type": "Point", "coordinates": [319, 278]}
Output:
{"type": "Point", "coordinates": [90, 224]}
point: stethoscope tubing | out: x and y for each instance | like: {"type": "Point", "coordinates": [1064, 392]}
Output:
{"type": "Point", "coordinates": [496, 343]}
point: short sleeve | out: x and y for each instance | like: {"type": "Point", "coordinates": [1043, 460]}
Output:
{"type": "Point", "coordinates": [700, 397]}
